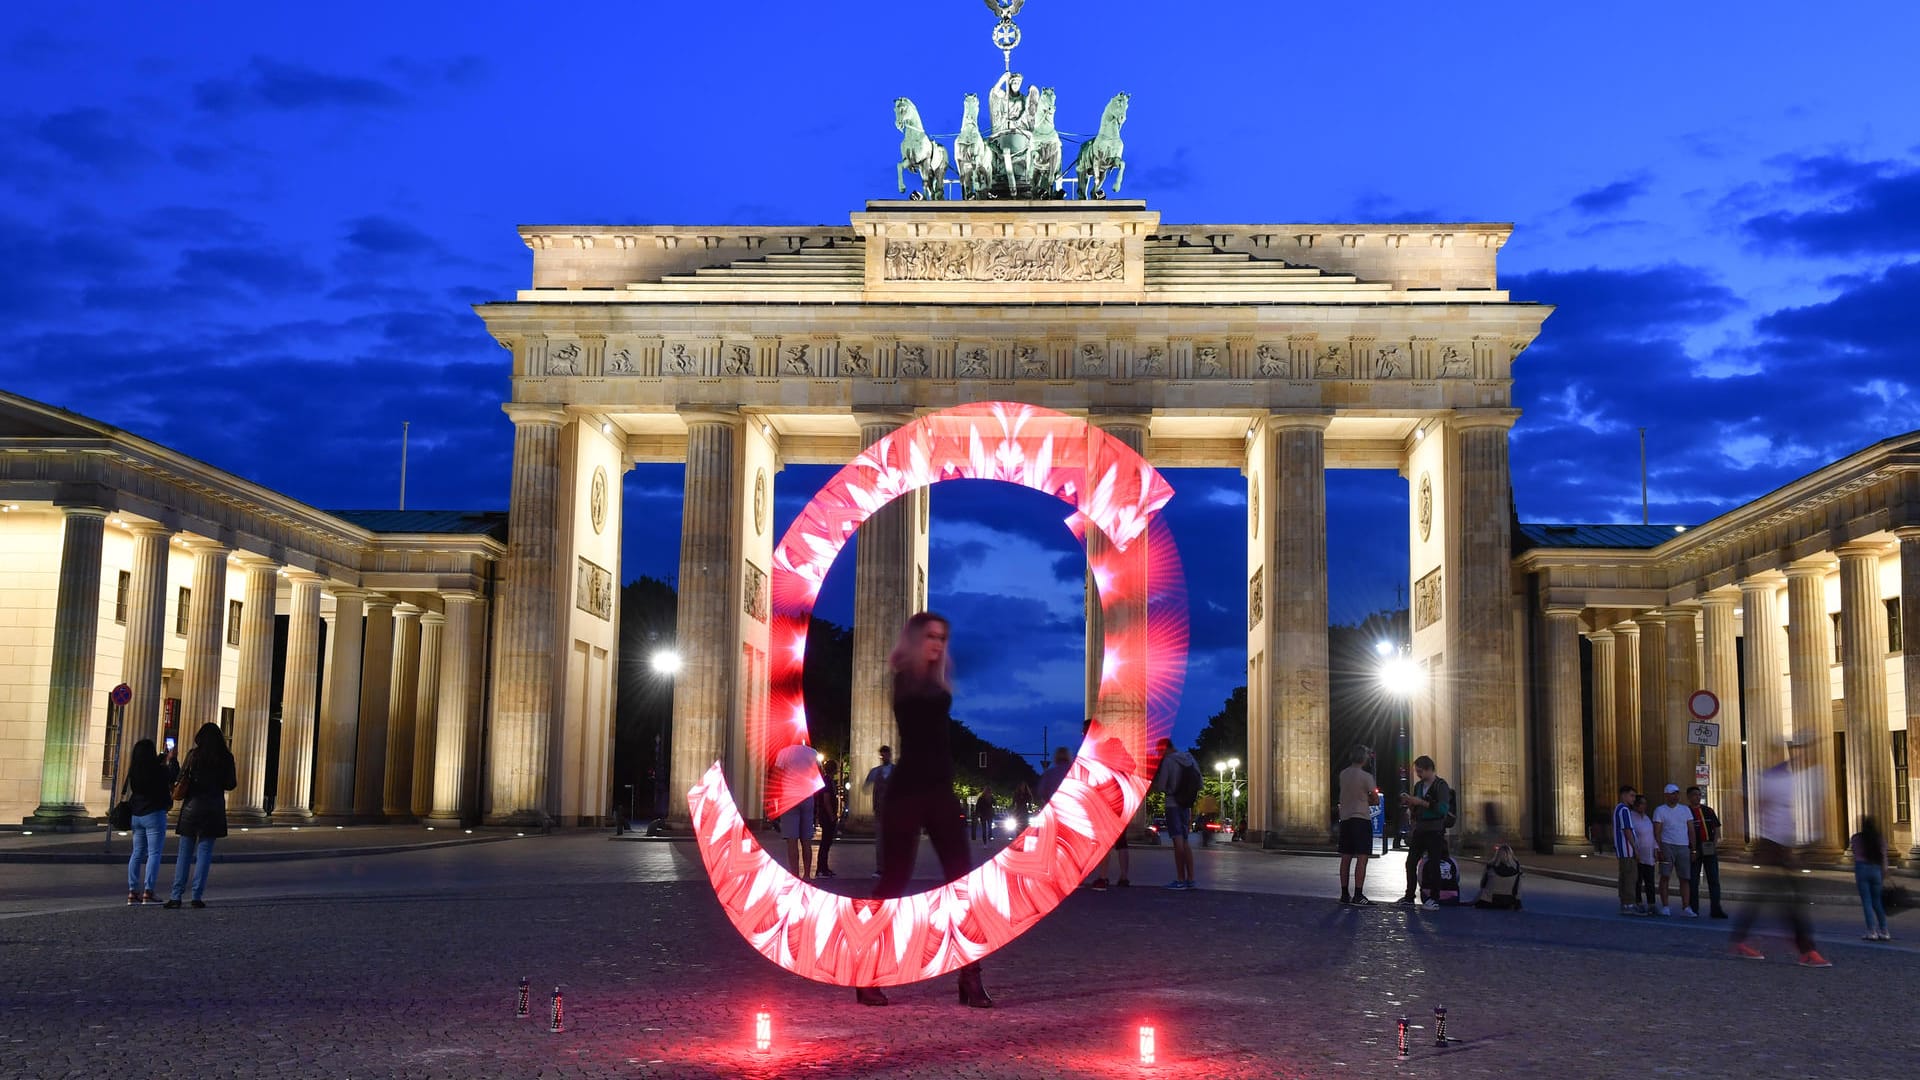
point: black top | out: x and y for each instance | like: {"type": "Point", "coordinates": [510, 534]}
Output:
{"type": "Point", "coordinates": [204, 812]}
{"type": "Point", "coordinates": [149, 789]}
{"type": "Point", "coordinates": [924, 755]}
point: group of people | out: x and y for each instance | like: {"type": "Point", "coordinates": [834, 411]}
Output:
{"type": "Point", "coordinates": [1430, 811]}
{"type": "Point", "coordinates": [200, 785]}
{"type": "Point", "coordinates": [1680, 843]}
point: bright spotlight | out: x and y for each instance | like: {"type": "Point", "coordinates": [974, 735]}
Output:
{"type": "Point", "coordinates": [666, 662]}
{"type": "Point", "coordinates": [1383, 647]}
{"type": "Point", "coordinates": [1400, 677]}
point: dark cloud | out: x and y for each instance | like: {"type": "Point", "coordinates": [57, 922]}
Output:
{"type": "Point", "coordinates": [279, 86]}
{"type": "Point", "coordinates": [1164, 174]}
{"type": "Point", "coordinates": [1875, 317]}
{"type": "Point", "coordinates": [1610, 198]}
{"type": "Point", "coordinates": [388, 236]}
{"type": "Point", "coordinates": [1874, 209]}
{"type": "Point", "coordinates": [261, 271]}
{"type": "Point", "coordinates": [1625, 305]}
{"type": "Point", "coordinates": [92, 137]}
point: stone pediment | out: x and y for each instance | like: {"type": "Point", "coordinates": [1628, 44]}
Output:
{"type": "Point", "coordinates": [21, 418]}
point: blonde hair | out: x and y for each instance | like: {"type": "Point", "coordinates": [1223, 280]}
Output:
{"type": "Point", "coordinates": [905, 658]}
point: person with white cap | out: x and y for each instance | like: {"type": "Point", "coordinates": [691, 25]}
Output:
{"type": "Point", "coordinates": [1673, 826]}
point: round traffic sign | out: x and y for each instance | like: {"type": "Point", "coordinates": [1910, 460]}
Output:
{"type": "Point", "coordinates": [1703, 705]}
{"type": "Point", "coordinates": [121, 694]}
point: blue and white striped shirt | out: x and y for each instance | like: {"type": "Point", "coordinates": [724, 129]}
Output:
{"type": "Point", "coordinates": [1623, 831]}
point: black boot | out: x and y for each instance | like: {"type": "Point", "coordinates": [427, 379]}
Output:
{"type": "Point", "coordinates": [869, 995]}
{"type": "Point", "coordinates": [971, 992]}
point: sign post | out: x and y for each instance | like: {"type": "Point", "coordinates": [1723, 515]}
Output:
{"type": "Point", "coordinates": [1702, 732]}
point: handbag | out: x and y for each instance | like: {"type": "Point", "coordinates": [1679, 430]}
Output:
{"type": "Point", "coordinates": [182, 787]}
{"type": "Point", "coordinates": [120, 818]}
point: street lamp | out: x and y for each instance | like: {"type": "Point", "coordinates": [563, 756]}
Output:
{"type": "Point", "coordinates": [666, 662]}
{"type": "Point", "coordinates": [1231, 766]}
{"type": "Point", "coordinates": [1400, 678]}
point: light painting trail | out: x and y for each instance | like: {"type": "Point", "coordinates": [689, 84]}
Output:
{"type": "Point", "coordinates": [853, 941]}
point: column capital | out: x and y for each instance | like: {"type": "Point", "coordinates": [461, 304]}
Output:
{"type": "Point", "coordinates": [348, 592]}
{"type": "Point", "coordinates": [1720, 598]}
{"type": "Point", "coordinates": [534, 413]}
{"type": "Point", "coordinates": [1814, 567]}
{"type": "Point", "coordinates": [1860, 549]}
{"type": "Point", "coordinates": [147, 528]}
{"type": "Point", "coordinates": [1764, 581]}
{"type": "Point", "coordinates": [1296, 420]}
{"type": "Point", "coordinates": [405, 610]}
{"type": "Point", "coordinates": [84, 510]}
{"type": "Point", "coordinates": [1600, 635]}
{"type": "Point", "coordinates": [200, 545]}
{"type": "Point", "coordinates": [1479, 418]}
{"type": "Point", "coordinates": [1626, 628]}
{"type": "Point", "coordinates": [252, 560]}
{"type": "Point", "coordinates": [298, 576]}
{"type": "Point", "coordinates": [711, 414]}
{"type": "Point", "coordinates": [1565, 610]}
{"type": "Point", "coordinates": [379, 601]}
{"type": "Point", "coordinates": [431, 618]}
{"type": "Point", "coordinates": [464, 596]}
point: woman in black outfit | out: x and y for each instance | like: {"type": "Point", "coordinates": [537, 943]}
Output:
{"type": "Point", "coordinates": [920, 792]}
{"type": "Point", "coordinates": [203, 815]}
{"type": "Point", "coordinates": [148, 789]}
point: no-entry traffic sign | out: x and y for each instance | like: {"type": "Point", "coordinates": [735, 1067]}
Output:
{"type": "Point", "coordinates": [1703, 705]}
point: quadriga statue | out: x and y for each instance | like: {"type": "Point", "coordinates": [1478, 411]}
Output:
{"type": "Point", "coordinates": [970, 153]}
{"type": "Point", "coordinates": [1102, 153]}
{"type": "Point", "coordinates": [918, 152]}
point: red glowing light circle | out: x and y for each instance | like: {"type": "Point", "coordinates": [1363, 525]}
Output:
{"type": "Point", "coordinates": [853, 941]}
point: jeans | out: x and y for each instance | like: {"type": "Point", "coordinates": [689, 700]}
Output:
{"type": "Point", "coordinates": [193, 849]}
{"type": "Point", "coordinates": [1432, 842]}
{"type": "Point", "coordinates": [149, 837]}
{"type": "Point", "coordinates": [1870, 878]}
{"type": "Point", "coordinates": [1711, 864]}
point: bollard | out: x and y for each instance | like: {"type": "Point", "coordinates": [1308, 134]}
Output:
{"type": "Point", "coordinates": [1439, 1025]}
{"type": "Point", "coordinates": [524, 1008]}
{"type": "Point", "coordinates": [1403, 1036]}
{"type": "Point", "coordinates": [554, 1016]}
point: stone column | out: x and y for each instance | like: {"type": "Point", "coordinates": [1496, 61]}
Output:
{"type": "Point", "coordinates": [1626, 700]}
{"type": "Point", "coordinates": [76, 628]}
{"type": "Point", "coordinates": [1480, 640]}
{"type": "Point", "coordinates": [459, 668]}
{"type": "Point", "coordinates": [1567, 754]}
{"type": "Point", "coordinates": [704, 625]}
{"type": "Point", "coordinates": [426, 712]}
{"type": "Point", "coordinates": [883, 598]}
{"type": "Point", "coordinates": [340, 712]}
{"type": "Point", "coordinates": [1720, 673]}
{"type": "Point", "coordinates": [1863, 678]}
{"type": "Point", "coordinates": [293, 792]}
{"type": "Point", "coordinates": [529, 618]}
{"type": "Point", "coordinates": [397, 803]}
{"type": "Point", "coordinates": [1297, 658]}
{"type": "Point", "coordinates": [376, 694]}
{"type": "Point", "coordinates": [206, 641]}
{"type": "Point", "coordinates": [1683, 678]}
{"type": "Point", "coordinates": [146, 639]}
{"type": "Point", "coordinates": [1766, 717]}
{"type": "Point", "coordinates": [1606, 765]}
{"type": "Point", "coordinates": [1122, 713]}
{"type": "Point", "coordinates": [253, 692]}
{"type": "Point", "coordinates": [1909, 537]}
{"type": "Point", "coordinates": [1810, 684]}
{"type": "Point", "coordinates": [1652, 767]}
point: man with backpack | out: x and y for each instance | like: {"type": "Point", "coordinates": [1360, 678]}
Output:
{"type": "Point", "coordinates": [1179, 778]}
{"type": "Point", "coordinates": [1430, 804]}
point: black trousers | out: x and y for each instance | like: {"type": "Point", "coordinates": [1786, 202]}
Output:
{"type": "Point", "coordinates": [829, 831]}
{"type": "Point", "coordinates": [1781, 887]}
{"type": "Point", "coordinates": [911, 808]}
{"type": "Point", "coordinates": [1433, 843]}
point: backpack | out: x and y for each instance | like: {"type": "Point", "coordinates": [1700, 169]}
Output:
{"type": "Point", "coordinates": [1186, 787]}
{"type": "Point", "coordinates": [1440, 878]}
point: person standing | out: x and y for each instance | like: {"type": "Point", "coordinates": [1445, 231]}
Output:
{"type": "Point", "coordinates": [1179, 778]}
{"type": "Point", "coordinates": [208, 774]}
{"type": "Point", "coordinates": [1056, 772]}
{"type": "Point", "coordinates": [1776, 792]}
{"type": "Point", "coordinates": [1623, 857]}
{"type": "Point", "coordinates": [1869, 847]}
{"type": "Point", "coordinates": [1358, 797]}
{"type": "Point", "coordinates": [876, 784]}
{"type": "Point", "coordinates": [826, 807]}
{"type": "Point", "coordinates": [1706, 852]}
{"type": "Point", "coordinates": [919, 791]}
{"type": "Point", "coordinates": [150, 794]}
{"type": "Point", "coordinates": [1431, 804]}
{"type": "Point", "coordinates": [798, 764]}
{"type": "Point", "coordinates": [1646, 853]}
{"type": "Point", "coordinates": [1673, 827]}
{"type": "Point", "coordinates": [983, 815]}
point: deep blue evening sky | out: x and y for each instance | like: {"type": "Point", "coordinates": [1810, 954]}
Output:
{"type": "Point", "coordinates": [252, 233]}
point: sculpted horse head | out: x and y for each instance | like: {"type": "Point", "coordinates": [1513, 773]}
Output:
{"type": "Point", "coordinates": [905, 116]}
{"type": "Point", "coordinates": [1115, 113]}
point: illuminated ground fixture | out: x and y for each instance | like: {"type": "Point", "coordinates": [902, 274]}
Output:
{"type": "Point", "coordinates": [852, 941]}
{"type": "Point", "coordinates": [1148, 1051]}
{"type": "Point", "coordinates": [762, 1031]}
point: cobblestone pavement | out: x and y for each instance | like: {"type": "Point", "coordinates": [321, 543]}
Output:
{"type": "Point", "coordinates": [405, 965]}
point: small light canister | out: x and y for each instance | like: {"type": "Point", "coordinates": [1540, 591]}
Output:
{"type": "Point", "coordinates": [1148, 1049]}
{"type": "Point", "coordinates": [762, 1031]}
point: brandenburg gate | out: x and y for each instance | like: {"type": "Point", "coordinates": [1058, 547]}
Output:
{"type": "Point", "coordinates": [1282, 350]}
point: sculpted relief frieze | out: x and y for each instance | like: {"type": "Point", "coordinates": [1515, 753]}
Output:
{"type": "Point", "coordinates": [1005, 260]}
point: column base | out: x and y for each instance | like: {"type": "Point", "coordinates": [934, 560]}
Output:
{"type": "Point", "coordinates": [248, 818]}
{"type": "Point", "coordinates": [61, 818]}
{"type": "Point", "coordinates": [442, 822]}
{"type": "Point", "coordinates": [1570, 845]}
{"type": "Point", "coordinates": [292, 817]}
{"type": "Point", "coordinates": [1296, 839]}
{"type": "Point", "coordinates": [519, 819]}
{"type": "Point", "coordinates": [333, 819]}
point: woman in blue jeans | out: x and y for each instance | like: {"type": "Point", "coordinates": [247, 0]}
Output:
{"type": "Point", "coordinates": [1870, 875]}
{"type": "Point", "coordinates": [147, 790]}
{"type": "Point", "coordinates": [209, 775]}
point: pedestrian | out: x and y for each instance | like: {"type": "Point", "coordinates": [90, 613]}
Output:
{"type": "Point", "coordinates": [1179, 778]}
{"type": "Point", "coordinates": [1205, 812]}
{"type": "Point", "coordinates": [1646, 853]}
{"type": "Point", "coordinates": [207, 775]}
{"type": "Point", "coordinates": [150, 797]}
{"type": "Point", "coordinates": [1706, 852]}
{"type": "Point", "coordinates": [919, 791]}
{"type": "Point", "coordinates": [1775, 795]}
{"type": "Point", "coordinates": [1673, 827]}
{"type": "Point", "coordinates": [1022, 808]}
{"type": "Point", "coordinates": [1869, 847]}
{"type": "Point", "coordinates": [1056, 772]}
{"type": "Point", "coordinates": [800, 763]}
{"type": "Point", "coordinates": [1623, 856]}
{"type": "Point", "coordinates": [1357, 798]}
{"type": "Point", "coordinates": [826, 808]}
{"type": "Point", "coordinates": [983, 814]}
{"type": "Point", "coordinates": [1430, 804]}
{"type": "Point", "coordinates": [876, 785]}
